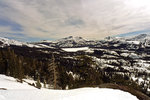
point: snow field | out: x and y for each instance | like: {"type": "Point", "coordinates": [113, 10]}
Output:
{"type": "Point", "coordinates": [23, 91]}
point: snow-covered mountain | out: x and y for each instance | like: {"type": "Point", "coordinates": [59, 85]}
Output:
{"type": "Point", "coordinates": [141, 37]}
{"type": "Point", "coordinates": [71, 38]}
{"type": "Point", "coordinates": [5, 42]}
{"type": "Point", "coordinates": [69, 42]}
{"type": "Point", "coordinates": [80, 42]}
{"type": "Point", "coordinates": [9, 42]}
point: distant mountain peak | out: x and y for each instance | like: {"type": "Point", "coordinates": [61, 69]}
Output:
{"type": "Point", "coordinates": [8, 42]}
{"type": "Point", "coordinates": [140, 37]}
{"type": "Point", "coordinates": [72, 38]}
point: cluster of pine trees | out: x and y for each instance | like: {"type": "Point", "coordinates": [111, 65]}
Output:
{"type": "Point", "coordinates": [11, 64]}
{"type": "Point", "coordinates": [20, 67]}
{"type": "Point", "coordinates": [49, 71]}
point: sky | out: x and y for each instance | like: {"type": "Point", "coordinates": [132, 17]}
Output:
{"type": "Point", "coordinates": [34, 20]}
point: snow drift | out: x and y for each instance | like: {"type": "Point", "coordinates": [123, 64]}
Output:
{"type": "Point", "coordinates": [23, 91]}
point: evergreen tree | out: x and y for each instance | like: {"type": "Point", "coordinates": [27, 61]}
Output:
{"type": "Point", "coordinates": [20, 69]}
{"type": "Point", "coordinates": [2, 63]}
{"type": "Point", "coordinates": [44, 82]}
{"type": "Point", "coordinates": [52, 68]}
{"type": "Point", "coordinates": [38, 83]}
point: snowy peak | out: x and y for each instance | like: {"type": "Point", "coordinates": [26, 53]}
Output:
{"type": "Point", "coordinates": [73, 39]}
{"type": "Point", "coordinates": [109, 38]}
{"type": "Point", "coordinates": [140, 37]}
{"type": "Point", "coordinates": [68, 42]}
{"type": "Point", "coordinates": [9, 42]}
{"type": "Point", "coordinates": [71, 42]}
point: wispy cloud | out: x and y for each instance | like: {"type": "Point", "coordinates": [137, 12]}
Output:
{"type": "Point", "coordinates": [8, 23]}
{"type": "Point", "coordinates": [59, 18]}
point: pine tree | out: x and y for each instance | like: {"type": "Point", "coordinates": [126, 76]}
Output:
{"type": "Point", "coordinates": [44, 82]}
{"type": "Point", "coordinates": [20, 72]}
{"type": "Point", "coordinates": [52, 68]}
{"type": "Point", "coordinates": [33, 69]}
{"type": "Point", "coordinates": [10, 62]}
{"type": "Point", "coordinates": [38, 83]}
{"type": "Point", "coordinates": [2, 64]}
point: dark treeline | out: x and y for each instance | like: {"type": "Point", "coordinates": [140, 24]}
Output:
{"type": "Point", "coordinates": [54, 71]}
{"type": "Point", "coordinates": [58, 72]}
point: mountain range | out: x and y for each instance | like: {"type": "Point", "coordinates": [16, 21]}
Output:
{"type": "Point", "coordinates": [128, 57]}
{"type": "Point", "coordinates": [77, 42]}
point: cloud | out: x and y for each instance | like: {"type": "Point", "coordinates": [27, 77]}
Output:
{"type": "Point", "coordinates": [74, 22]}
{"type": "Point", "coordinates": [13, 25]}
{"type": "Point", "coordinates": [60, 18]}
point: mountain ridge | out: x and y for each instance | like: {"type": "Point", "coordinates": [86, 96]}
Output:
{"type": "Point", "coordinates": [73, 41]}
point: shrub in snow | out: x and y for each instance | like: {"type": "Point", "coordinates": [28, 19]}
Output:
{"type": "Point", "coordinates": [38, 84]}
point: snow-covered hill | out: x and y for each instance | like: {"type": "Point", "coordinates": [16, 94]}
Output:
{"type": "Point", "coordinates": [22, 91]}
{"type": "Point", "coordinates": [8, 42]}
{"type": "Point", "coordinates": [141, 37]}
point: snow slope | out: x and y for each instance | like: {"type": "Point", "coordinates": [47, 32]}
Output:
{"type": "Point", "coordinates": [8, 42]}
{"type": "Point", "coordinates": [11, 83]}
{"type": "Point", "coordinates": [19, 91]}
